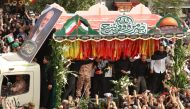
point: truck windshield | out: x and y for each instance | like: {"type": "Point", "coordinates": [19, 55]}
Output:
{"type": "Point", "coordinates": [15, 84]}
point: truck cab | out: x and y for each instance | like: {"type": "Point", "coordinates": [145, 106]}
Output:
{"type": "Point", "coordinates": [12, 66]}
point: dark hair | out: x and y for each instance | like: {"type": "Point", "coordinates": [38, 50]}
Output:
{"type": "Point", "coordinates": [47, 57]}
{"type": "Point", "coordinates": [143, 55]}
{"type": "Point", "coordinates": [161, 44]}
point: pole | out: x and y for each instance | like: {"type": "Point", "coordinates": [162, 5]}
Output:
{"type": "Point", "coordinates": [100, 1]}
{"type": "Point", "coordinates": [78, 25]}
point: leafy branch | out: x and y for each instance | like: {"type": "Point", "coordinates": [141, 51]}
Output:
{"type": "Point", "coordinates": [61, 71]}
{"type": "Point", "coordinates": [121, 85]}
{"type": "Point", "coordinates": [179, 78]}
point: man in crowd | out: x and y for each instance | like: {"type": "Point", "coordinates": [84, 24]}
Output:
{"type": "Point", "coordinates": [71, 79]}
{"type": "Point", "coordinates": [140, 70]}
{"type": "Point", "coordinates": [109, 76]}
{"type": "Point", "coordinates": [187, 20]}
{"type": "Point", "coordinates": [84, 78]}
{"type": "Point", "coordinates": [19, 86]}
{"type": "Point", "coordinates": [187, 67]}
{"type": "Point", "coordinates": [46, 82]}
{"type": "Point", "coordinates": [158, 68]}
{"type": "Point", "coordinates": [122, 66]}
{"type": "Point", "coordinates": [99, 76]}
{"type": "Point", "coordinates": [185, 97]}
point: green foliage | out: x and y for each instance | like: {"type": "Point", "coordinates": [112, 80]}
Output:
{"type": "Point", "coordinates": [83, 103]}
{"type": "Point", "coordinates": [61, 71]}
{"type": "Point", "coordinates": [75, 5]}
{"type": "Point", "coordinates": [188, 49]}
{"type": "Point", "coordinates": [179, 78]}
{"type": "Point", "coordinates": [145, 2]}
{"type": "Point", "coordinates": [179, 81]}
{"type": "Point", "coordinates": [179, 56]}
{"type": "Point", "coordinates": [121, 85]}
{"type": "Point", "coordinates": [165, 7]}
{"type": "Point", "coordinates": [70, 6]}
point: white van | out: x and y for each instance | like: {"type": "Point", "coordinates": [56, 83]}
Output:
{"type": "Point", "coordinates": [11, 66]}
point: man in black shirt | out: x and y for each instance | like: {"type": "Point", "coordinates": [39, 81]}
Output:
{"type": "Point", "coordinates": [140, 70]}
{"type": "Point", "coordinates": [99, 77]}
{"type": "Point", "coordinates": [46, 82]}
{"type": "Point", "coordinates": [122, 66]}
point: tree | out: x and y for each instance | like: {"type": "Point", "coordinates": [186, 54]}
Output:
{"type": "Point", "coordinates": [179, 78]}
{"type": "Point", "coordinates": [74, 5]}
{"type": "Point", "coordinates": [70, 6]}
{"type": "Point", "coordinates": [164, 7]}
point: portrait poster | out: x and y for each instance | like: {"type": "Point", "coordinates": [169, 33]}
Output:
{"type": "Point", "coordinates": [39, 33]}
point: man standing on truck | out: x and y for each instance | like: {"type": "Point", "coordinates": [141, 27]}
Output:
{"type": "Point", "coordinates": [46, 82]}
{"type": "Point", "coordinates": [84, 78]}
{"type": "Point", "coordinates": [159, 61]}
{"type": "Point", "coordinates": [140, 70]}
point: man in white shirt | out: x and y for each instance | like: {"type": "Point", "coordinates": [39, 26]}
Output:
{"type": "Point", "coordinates": [158, 68]}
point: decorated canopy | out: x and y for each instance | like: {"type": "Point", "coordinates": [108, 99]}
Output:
{"type": "Point", "coordinates": [124, 36]}
{"type": "Point", "coordinates": [98, 14]}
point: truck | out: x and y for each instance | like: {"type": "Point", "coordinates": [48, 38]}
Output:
{"type": "Point", "coordinates": [11, 66]}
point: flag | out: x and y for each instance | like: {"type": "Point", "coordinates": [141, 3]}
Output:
{"type": "Point", "coordinates": [83, 26]}
{"type": "Point", "coordinates": [15, 45]}
{"type": "Point", "coordinates": [10, 38]}
{"type": "Point", "coordinates": [70, 27]}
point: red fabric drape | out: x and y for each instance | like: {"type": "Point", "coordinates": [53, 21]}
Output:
{"type": "Point", "coordinates": [113, 49]}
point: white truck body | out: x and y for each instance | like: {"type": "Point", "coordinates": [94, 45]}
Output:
{"type": "Point", "coordinates": [11, 65]}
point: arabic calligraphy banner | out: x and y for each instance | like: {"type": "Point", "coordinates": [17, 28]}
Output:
{"type": "Point", "coordinates": [123, 25]}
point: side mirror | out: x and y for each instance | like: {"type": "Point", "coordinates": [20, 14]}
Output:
{"type": "Point", "coordinates": [9, 84]}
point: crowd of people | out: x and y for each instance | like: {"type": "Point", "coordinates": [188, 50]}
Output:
{"type": "Point", "coordinates": [174, 99]}
{"type": "Point", "coordinates": [6, 105]}
{"type": "Point", "coordinates": [14, 29]}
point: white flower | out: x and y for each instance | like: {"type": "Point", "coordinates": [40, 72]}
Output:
{"type": "Point", "coordinates": [64, 48]}
{"type": "Point", "coordinates": [56, 67]}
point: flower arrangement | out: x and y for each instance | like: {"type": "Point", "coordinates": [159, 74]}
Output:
{"type": "Point", "coordinates": [121, 85]}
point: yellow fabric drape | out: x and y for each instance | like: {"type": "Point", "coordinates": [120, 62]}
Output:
{"type": "Point", "coordinates": [110, 49]}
